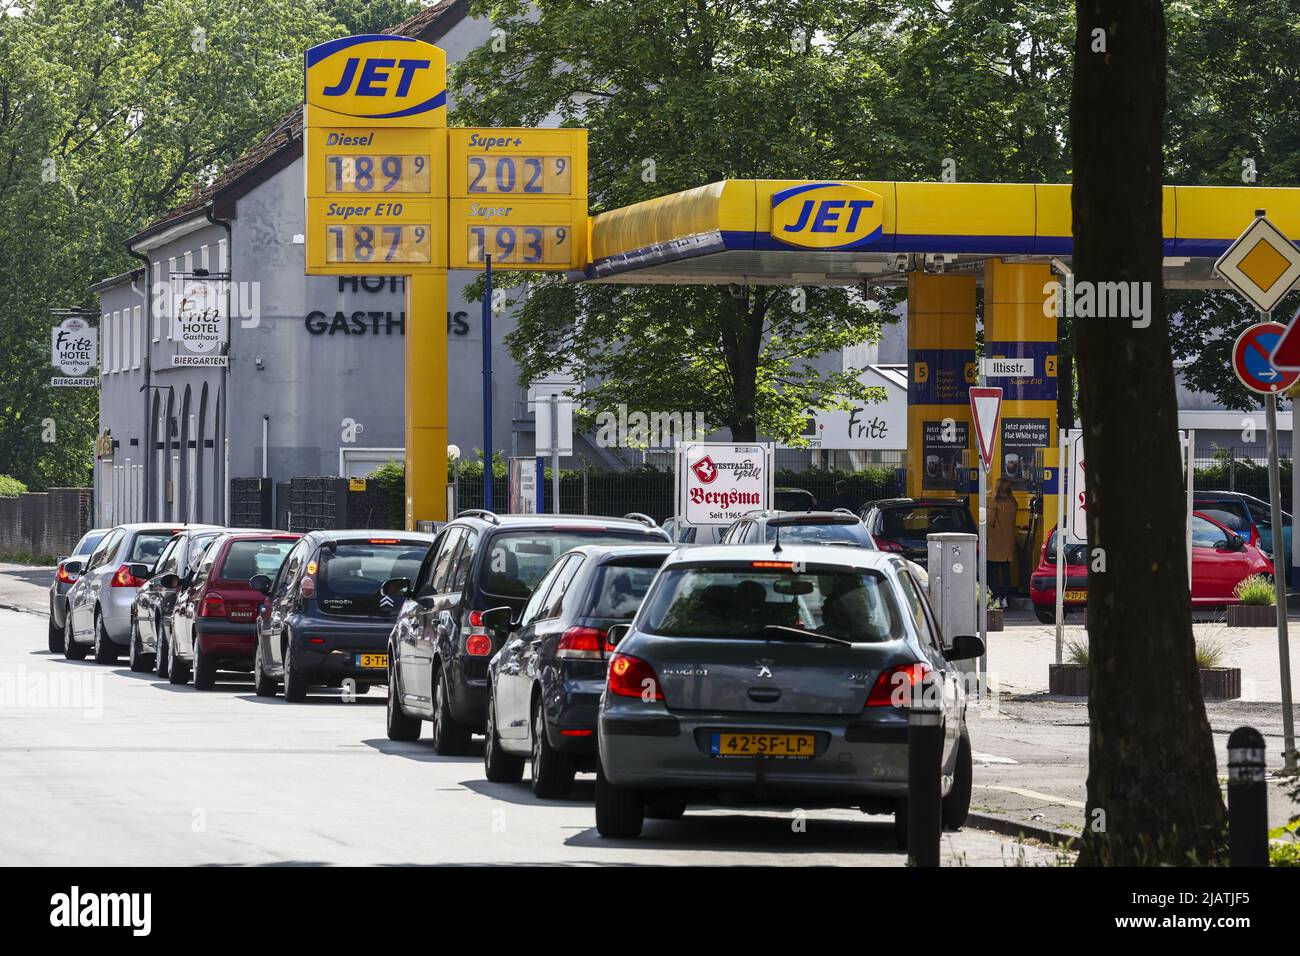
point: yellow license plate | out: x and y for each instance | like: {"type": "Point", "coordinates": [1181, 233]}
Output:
{"type": "Point", "coordinates": [1081, 596]}
{"type": "Point", "coordinates": [372, 660]}
{"type": "Point", "coordinates": [763, 745]}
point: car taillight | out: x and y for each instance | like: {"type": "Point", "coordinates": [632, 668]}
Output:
{"type": "Point", "coordinates": [308, 588]}
{"type": "Point", "coordinates": [888, 544]}
{"type": "Point", "coordinates": [894, 686]}
{"type": "Point", "coordinates": [475, 618]}
{"type": "Point", "coordinates": [633, 677]}
{"type": "Point", "coordinates": [582, 643]}
{"type": "Point", "coordinates": [214, 605]}
{"type": "Point", "coordinates": [123, 578]}
{"type": "Point", "coordinates": [64, 577]}
{"type": "Point", "coordinates": [478, 645]}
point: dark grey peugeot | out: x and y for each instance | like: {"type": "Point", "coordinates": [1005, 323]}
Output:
{"type": "Point", "coordinates": [778, 677]}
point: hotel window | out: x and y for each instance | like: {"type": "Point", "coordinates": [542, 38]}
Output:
{"type": "Point", "coordinates": [104, 321]}
{"type": "Point", "coordinates": [171, 280]}
{"type": "Point", "coordinates": [157, 306]}
{"type": "Point", "coordinates": [137, 335]}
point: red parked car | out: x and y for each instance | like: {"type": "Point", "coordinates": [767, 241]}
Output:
{"type": "Point", "coordinates": [1221, 559]}
{"type": "Point", "coordinates": [213, 625]}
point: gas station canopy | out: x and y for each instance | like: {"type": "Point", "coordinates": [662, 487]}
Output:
{"type": "Point", "coordinates": [784, 232]}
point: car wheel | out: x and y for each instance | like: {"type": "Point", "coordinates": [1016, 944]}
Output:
{"type": "Point", "coordinates": [450, 738]}
{"type": "Point", "coordinates": [55, 635]}
{"type": "Point", "coordinates": [400, 726]}
{"type": "Point", "coordinates": [1045, 615]}
{"type": "Point", "coordinates": [178, 671]}
{"type": "Point", "coordinates": [295, 682]}
{"type": "Point", "coordinates": [957, 804]}
{"type": "Point", "coordinates": [71, 649]}
{"type": "Point", "coordinates": [665, 810]}
{"type": "Point", "coordinates": [205, 668]}
{"type": "Point", "coordinates": [552, 771]}
{"type": "Point", "coordinates": [620, 811]}
{"type": "Point", "coordinates": [160, 659]}
{"type": "Point", "coordinates": [140, 662]}
{"type": "Point", "coordinates": [501, 767]}
{"type": "Point", "coordinates": [263, 684]}
{"type": "Point", "coordinates": [105, 649]}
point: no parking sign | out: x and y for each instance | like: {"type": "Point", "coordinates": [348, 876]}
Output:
{"type": "Point", "coordinates": [1251, 361]}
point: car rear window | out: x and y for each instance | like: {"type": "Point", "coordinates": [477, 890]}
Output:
{"type": "Point", "coordinates": [516, 560]}
{"type": "Point", "coordinates": [352, 573]}
{"type": "Point", "coordinates": [851, 532]}
{"type": "Point", "coordinates": [922, 520]}
{"type": "Point", "coordinates": [244, 559]}
{"type": "Point", "coordinates": [757, 603]}
{"type": "Point", "coordinates": [1074, 553]}
{"type": "Point", "coordinates": [148, 545]}
{"type": "Point", "coordinates": [620, 588]}
{"type": "Point", "coordinates": [87, 543]}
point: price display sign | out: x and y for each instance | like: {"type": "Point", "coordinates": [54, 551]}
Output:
{"type": "Point", "coordinates": [518, 234]}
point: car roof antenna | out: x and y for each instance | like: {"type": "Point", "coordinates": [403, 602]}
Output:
{"type": "Point", "coordinates": [776, 548]}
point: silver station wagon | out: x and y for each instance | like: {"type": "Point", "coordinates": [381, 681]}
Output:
{"type": "Point", "coordinates": [776, 676]}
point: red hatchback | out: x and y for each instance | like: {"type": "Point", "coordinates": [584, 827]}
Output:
{"type": "Point", "coordinates": [216, 611]}
{"type": "Point", "coordinates": [1221, 559]}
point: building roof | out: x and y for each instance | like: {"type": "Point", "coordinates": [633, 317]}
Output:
{"type": "Point", "coordinates": [283, 144]}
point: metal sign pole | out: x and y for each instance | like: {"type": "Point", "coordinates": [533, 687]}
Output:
{"type": "Point", "coordinates": [487, 383]}
{"type": "Point", "coordinates": [984, 577]}
{"type": "Point", "coordinates": [1064, 466]}
{"type": "Point", "coordinates": [555, 454]}
{"type": "Point", "coordinates": [1279, 582]}
{"type": "Point", "coordinates": [1190, 455]}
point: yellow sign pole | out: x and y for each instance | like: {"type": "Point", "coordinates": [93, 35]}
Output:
{"type": "Point", "coordinates": [426, 398]}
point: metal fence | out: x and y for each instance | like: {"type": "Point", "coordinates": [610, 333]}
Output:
{"type": "Point", "coordinates": [1233, 469]}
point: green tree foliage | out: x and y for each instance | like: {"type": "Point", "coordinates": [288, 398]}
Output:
{"type": "Point", "coordinates": [112, 112]}
{"type": "Point", "coordinates": [371, 16]}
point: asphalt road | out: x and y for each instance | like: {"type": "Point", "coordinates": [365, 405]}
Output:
{"type": "Point", "coordinates": [102, 766]}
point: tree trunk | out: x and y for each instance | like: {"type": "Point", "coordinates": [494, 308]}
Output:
{"type": "Point", "coordinates": [1153, 796]}
{"type": "Point", "coordinates": [743, 350]}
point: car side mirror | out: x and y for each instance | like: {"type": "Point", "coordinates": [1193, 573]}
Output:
{"type": "Point", "coordinates": [396, 587]}
{"type": "Point", "coordinates": [73, 568]}
{"type": "Point", "coordinates": [616, 633]}
{"type": "Point", "coordinates": [965, 647]}
{"type": "Point", "coordinates": [260, 583]}
{"type": "Point", "coordinates": [141, 571]}
{"type": "Point", "coordinates": [170, 581]}
{"type": "Point", "coordinates": [497, 618]}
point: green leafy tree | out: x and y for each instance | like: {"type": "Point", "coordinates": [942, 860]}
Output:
{"type": "Point", "coordinates": [679, 94]}
{"type": "Point", "coordinates": [111, 113]}
{"type": "Point", "coordinates": [371, 16]}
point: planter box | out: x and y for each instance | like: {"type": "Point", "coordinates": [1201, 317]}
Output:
{"type": "Point", "coordinates": [996, 621]}
{"type": "Point", "coordinates": [1071, 680]}
{"type": "Point", "coordinates": [1067, 680]}
{"type": "Point", "coordinates": [1252, 615]}
{"type": "Point", "coordinates": [1221, 683]}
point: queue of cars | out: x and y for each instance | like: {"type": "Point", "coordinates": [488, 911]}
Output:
{"type": "Point", "coordinates": [765, 670]}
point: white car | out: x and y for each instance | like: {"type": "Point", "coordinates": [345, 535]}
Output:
{"type": "Point", "coordinates": [99, 604]}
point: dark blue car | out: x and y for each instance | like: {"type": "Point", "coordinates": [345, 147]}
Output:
{"type": "Point", "coordinates": [544, 685]}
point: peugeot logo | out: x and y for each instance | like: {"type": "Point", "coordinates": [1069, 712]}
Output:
{"type": "Point", "coordinates": [764, 668]}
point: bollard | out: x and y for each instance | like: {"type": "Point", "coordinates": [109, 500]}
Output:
{"type": "Point", "coordinates": [1247, 799]}
{"type": "Point", "coordinates": [924, 774]}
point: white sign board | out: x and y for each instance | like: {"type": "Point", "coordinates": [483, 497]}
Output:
{"type": "Point", "coordinates": [199, 316]}
{"type": "Point", "coordinates": [865, 425]}
{"type": "Point", "coordinates": [718, 482]}
{"type": "Point", "coordinates": [1076, 520]}
{"type": "Point", "coordinates": [564, 415]}
{"type": "Point", "coordinates": [523, 486]}
{"type": "Point", "coordinates": [74, 347]}
{"type": "Point", "coordinates": [1007, 367]}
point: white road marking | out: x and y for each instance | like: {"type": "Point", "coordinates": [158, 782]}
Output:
{"type": "Point", "coordinates": [1034, 795]}
{"type": "Point", "coordinates": [990, 758]}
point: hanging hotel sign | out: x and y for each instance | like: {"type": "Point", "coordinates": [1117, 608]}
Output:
{"type": "Point", "coordinates": [74, 351]}
{"type": "Point", "coordinates": [200, 318]}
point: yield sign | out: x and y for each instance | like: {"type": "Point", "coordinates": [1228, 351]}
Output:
{"type": "Point", "coordinates": [1262, 264]}
{"type": "Point", "coordinates": [986, 408]}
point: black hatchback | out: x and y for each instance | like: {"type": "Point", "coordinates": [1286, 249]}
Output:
{"type": "Point", "coordinates": [544, 685]}
{"type": "Point", "coordinates": [326, 618]}
{"type": "Point", "coordinates": [903, 525]}
{"type": "Point", "coordinates": [457, 612]}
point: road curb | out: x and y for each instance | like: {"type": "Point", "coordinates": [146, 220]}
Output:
{"type": "Point", "coordinates": [1018, 828]}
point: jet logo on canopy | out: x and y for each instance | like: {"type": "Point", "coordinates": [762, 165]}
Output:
{"type": "Point", "coordinates": [826, 216]}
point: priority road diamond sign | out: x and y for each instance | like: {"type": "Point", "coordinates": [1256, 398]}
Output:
{"type": "Point", "coordinates": [1262, 264]}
